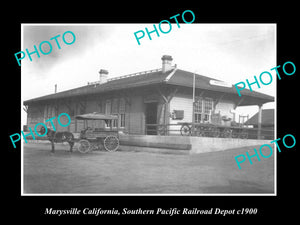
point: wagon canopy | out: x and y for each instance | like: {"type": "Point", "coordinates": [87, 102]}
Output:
{"type": "Point", "coordinates": [96, 116]}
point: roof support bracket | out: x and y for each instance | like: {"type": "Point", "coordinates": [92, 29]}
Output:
{"type": "Point", "coordinates": [172, 94]}
{"type": "Point", "coordinates": [239, 102]}
{"type": "Point", "coordinates": [162, 95]}
{"type": "Point", "coordinates": [25, 108]}
{"type": "Point", "coordinates": [219, 99]}
{"type": "Point", "coordinates": [167, 98]}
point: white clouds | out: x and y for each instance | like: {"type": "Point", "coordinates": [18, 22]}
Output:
{"type": "Point", "coordinates": [229, 52]}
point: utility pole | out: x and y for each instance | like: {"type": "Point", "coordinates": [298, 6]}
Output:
{"type": "Point", "coordinates": [193, 116]}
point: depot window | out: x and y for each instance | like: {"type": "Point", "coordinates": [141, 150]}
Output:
{"type": "Point", "coordinates": [203, 108]}
{"type": "Point", "coordinates": [116, 106]}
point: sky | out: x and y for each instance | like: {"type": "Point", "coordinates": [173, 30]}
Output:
{"type": "Point", "coordinates": [228, 52]}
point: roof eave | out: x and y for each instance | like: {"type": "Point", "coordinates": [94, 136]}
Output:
{"type": "Point", "coordinates": [52, 96]}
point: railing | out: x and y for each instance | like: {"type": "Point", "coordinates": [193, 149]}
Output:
{"type": "Point", "coordinates": [209, 130]}
{"type": "Point", "coordinates": [161, 129]}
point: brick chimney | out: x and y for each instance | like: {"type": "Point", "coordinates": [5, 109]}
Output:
{"type": "Point", "coordinates": [103, 76]}
{"type": "Point", "coordinates": [166, 63]}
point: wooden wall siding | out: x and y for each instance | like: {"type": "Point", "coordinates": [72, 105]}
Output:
{"type": "Point", "coordinates": [127, 114]}
{"type": "Point", "coordinates": [72, 113]}
{"type": "Point", "coordinates": [80, 108]}
{"type": "Point", "coordinates": [80, 125]}
{"type": "Point", "coordinates": [46, 109]}
{"type": "Point", "coordinates": [136, 123]}
{"type": "Point", "coordinates": [134, 109]}
{"type": "Point", "coordinates": [91, 106]}
{"type": "Point", "coordinates": [160, 113]}
{"type": "Point", "coordinates": [49, 112]}
{"type": "Point", "coordinates": [115, 105]}
{"type": "Point", "coordinates": [102, 106]}
{"type": "Point", "coordinates": [56, 109]}
{"type": "Point", "coordinates": [34, 116]}
{"type": "Point", "coordinates": [62, 108]}
{"type": "Point", "coordinates": [98, 104]}
{"type": "Point", "coordinates": [63, 120]}
{"type": "Point", "coordinates": [182, 102]}
{"type": "Point", "coordinates": [41, 113]}
{"type": "Point", "coordinates": [71, 127]}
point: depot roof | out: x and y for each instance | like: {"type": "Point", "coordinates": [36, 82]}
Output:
{"type": "Point", "coordinates": [173, 77]}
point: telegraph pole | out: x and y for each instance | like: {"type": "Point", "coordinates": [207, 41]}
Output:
{"type": "Point", "coordinates": [193, 116]}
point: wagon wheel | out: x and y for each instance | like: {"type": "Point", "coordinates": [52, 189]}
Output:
{"type": "Point", "coordinates": [111, 143]}
{"type": "Point", "coordinates": [185, 130]}
{"type": "Point", "coordinates": [84, 146]}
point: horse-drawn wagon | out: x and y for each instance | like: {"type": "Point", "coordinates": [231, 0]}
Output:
{"type": "Point", "coordinates": [100, 130]}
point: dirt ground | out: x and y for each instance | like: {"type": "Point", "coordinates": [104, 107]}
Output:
{"type": "Point", "coordinates": [129, 172]}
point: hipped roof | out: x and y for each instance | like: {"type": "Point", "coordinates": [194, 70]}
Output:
{"type": "Point", "coordinates": [173, 77]}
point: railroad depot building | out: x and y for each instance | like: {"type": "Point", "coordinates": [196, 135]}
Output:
{"type": "Point", "coordinates": [160, 96]}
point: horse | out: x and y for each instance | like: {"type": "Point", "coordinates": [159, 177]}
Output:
{"type": "Point", "coordinates": [55, 137]}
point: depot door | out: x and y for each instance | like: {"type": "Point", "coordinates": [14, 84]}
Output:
{"type": "Point", "coordinates": [151, 117]}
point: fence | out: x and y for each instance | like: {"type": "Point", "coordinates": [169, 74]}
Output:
{"type": "Point", "coordinates": [209, 130]}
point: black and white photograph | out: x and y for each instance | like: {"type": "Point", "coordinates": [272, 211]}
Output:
{"type": "Point", "coordinates": [148, 111]}
{"type": "Point", "coordinates": [143, 109]}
